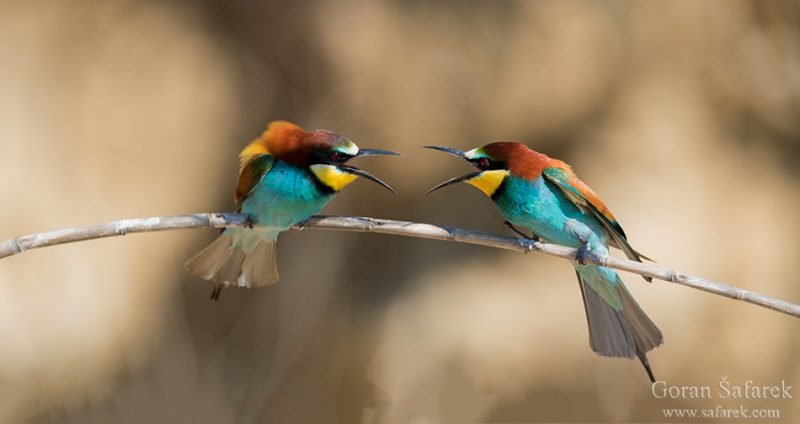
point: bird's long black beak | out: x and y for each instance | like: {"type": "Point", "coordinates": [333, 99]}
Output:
{"type": "Point", "coordinates": [364, 174]}
{"type": "Point", "coordinates": [454, 180]}
{"type": "Point", "coordinates": [452, 151]}
{"type": "Point", "coordinates": [376, 152]}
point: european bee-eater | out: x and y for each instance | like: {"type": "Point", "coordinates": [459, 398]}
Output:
{"type": "Point", "coordinates": [285, 176]}
{"type": "Point", "coordinates": [545, 196]}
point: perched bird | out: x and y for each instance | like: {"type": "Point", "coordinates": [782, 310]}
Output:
{"type": "Point", "coordinates": [285, 176]}
{"type": "Point", "coordinates": [545, 196]}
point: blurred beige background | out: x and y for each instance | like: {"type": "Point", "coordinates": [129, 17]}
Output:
{"type": "Point", "coordinates": [682, 115]}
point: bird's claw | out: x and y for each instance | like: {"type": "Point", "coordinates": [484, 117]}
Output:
{"type": "Point", "coordinates": [583, 253]}
{"type": "Point", "coordinates": [300, 225]}
{"type": "Point", "coordinates": [250, 222]}
{"type": "Point", "coordinates": [528, 244]}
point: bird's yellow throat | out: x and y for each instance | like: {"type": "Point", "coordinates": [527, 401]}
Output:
{"type": "Point", "coordinates": [488, 181]}
{"type": "Point", "coordinates": [332, 176]}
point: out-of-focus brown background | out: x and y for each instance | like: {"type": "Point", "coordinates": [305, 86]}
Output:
{"type": "Point", "coordinates": [683, 115]}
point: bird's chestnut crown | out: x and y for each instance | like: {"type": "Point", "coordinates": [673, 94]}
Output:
{"type": "Point", "coordinates": [330, 148]}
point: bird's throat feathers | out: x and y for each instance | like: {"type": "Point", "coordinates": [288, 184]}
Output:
{"type": "Point", "coordinates": [489, 181]}
{"type": "Point", "coordinates": [331, 176]}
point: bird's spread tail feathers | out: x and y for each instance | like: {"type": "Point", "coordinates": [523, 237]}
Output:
{"type": "Point", "coordinates": [240, 258]}
{"type": "Point", "coordinates": [621, 330]}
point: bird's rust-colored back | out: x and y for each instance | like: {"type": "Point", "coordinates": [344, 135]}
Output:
{"type": "Point", "coordinates": [280, 140]}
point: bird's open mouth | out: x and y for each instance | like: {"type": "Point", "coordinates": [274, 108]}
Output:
{"type": "Point", "coordinates": [455, 180]}
{"type": "Point", "coordinates": [364, 174]}
{"type": "Point", "coordinates": [454, 152]}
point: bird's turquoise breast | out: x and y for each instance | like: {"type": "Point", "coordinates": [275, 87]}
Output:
{"type": "Point", "coordinates": [541, 207]}
{"type": "Point", "coordinates": [285, 196]}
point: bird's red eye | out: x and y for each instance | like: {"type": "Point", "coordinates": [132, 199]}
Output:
{"type": "Point", "coordinates": [483, 162]}
{"type": "Point", "coordinates": [337, 157]}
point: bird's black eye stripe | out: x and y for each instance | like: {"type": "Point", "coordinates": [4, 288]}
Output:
{"type": "Point", "coordinates": [487, 164]}
{"type": "Point", "coordinates": [336, 156]}
{"type": "Point", "coordinates": [330, 156]}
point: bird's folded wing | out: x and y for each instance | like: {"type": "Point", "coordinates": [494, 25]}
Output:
{"type": "Point", "coordinates": [560, 174]}
{"type": "Point", "coordinates": [251, 173]}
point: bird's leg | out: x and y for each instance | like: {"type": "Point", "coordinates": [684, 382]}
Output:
{"type": "Point", "coordinates": [529, 240]}
{"type": "Point", "coordinates": [583, 251]}
{"type": "Point", "coordinates": [250, 221]}
{"type": "Point", "coordinates": [511, 227]}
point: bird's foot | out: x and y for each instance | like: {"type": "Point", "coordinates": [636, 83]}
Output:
{"type": "Point", "coordinates": [300, 225]}
{"type": "Point", "coordinates": [249, 221]}
{"type": "Point", "coordinates": [583, 251]}
{"type": "Point", "coordinates": [516, 230]}
{"type": "Point", "coordinates": [528, 244]}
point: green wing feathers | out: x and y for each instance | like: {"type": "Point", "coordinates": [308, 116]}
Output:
{"type": "Point", "coordinates": [251, 172]}
{"type": "Point", "coordinates": [587, 200]}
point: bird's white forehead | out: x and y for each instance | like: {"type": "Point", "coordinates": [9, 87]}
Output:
{"type": "Point", "coordinates": [474, 153]}
{"type": "Point", "coordinates": [349, 148]}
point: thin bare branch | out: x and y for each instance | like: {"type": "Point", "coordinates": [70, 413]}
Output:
{"type": "Point", "coordinates": [399, 228]}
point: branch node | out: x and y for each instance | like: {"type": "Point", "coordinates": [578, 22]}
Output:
{"type": "Point", "coordinates": [121, 227]}
{"type": "Point", "coordinates": [18, 246]}
{"type": "Point", "coordinates": [210, 218]}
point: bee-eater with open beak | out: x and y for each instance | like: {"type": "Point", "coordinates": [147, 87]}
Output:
{"type": "Point", "coordinates": [285, 176]}
{"type": "Point", "coordinates": [545, 196]}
